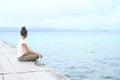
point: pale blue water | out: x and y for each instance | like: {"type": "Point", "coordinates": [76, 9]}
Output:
{"type": "Point", "coordinates": [79, 55]}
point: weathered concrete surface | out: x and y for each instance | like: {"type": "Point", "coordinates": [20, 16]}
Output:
{"type": "Point", "coordinates": [12, 69]}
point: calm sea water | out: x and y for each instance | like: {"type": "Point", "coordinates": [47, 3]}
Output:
{"type": "Point", "coordinates": [79, 55]}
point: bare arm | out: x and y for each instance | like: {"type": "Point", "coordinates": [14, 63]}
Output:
{"type": "Point", "coordinates": [29, 50]}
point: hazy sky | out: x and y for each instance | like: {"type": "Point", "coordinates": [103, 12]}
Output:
{"type": "Point", "coordinates": [63, 14]}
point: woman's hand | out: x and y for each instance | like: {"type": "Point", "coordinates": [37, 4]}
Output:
{"type": "Point", "coordinates": [40, 55]}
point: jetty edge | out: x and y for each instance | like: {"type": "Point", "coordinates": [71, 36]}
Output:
{"type": "Point", "coordinates": [12, 69]}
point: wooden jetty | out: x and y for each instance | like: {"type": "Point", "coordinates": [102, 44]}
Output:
{"type": "Point", "coordinates": [12, 69]}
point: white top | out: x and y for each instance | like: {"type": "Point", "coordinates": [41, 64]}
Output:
{"type": "Point", "coordinates": [20, 50]}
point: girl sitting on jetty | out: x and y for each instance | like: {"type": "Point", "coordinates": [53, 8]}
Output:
{"type": "Point", "coordinates": [23, 51]}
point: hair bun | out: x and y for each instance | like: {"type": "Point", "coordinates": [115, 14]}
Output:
{"type": "Point", "coordinates": [23, 31]}
{"type": "Point", "coordinates": [23, 28]}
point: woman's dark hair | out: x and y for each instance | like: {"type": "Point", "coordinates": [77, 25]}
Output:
{"type": "Point", "coordinates": [23, 31]}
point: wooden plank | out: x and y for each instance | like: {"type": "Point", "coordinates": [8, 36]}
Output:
{"type": "Point", "coordinates": [29, 76]}
{"type": "Point", "coordinates": [0, 70]}
{"type": "Point", "coordinates": [0, 66]}
{"type": "Point", "coordinates": [32, 67]}
{"type": "Point", "coordinates": [22, 76]}
{"type": "Point", "coordinates": [6, 67]}
{"type": "Point", "coordinates": [1, 56]}
{"type": "Point", "coordinates": [1, 77]}
{"type": "Point", "coordinates": [42, 76]}
{"type": "Point", "coordinates": [14, 77]}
